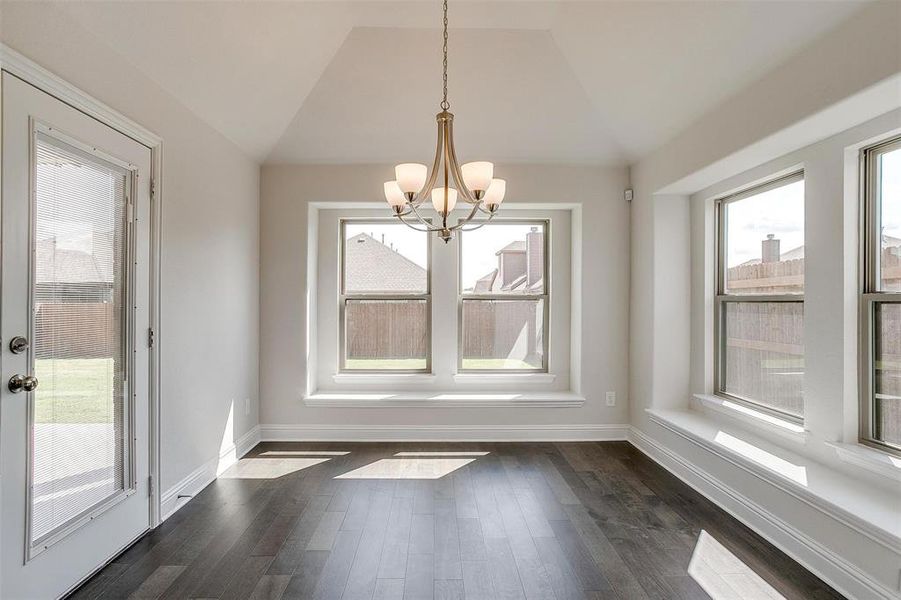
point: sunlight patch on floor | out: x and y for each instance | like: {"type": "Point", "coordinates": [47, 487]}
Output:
{"type": "Point", "coordinates": [723, 576]}
{"type": "Point", "coordinates": [407, 468]}
{"type": "Point", "coordinates": [268, 468]}
{"type": "Point", "coordinates": [796, 473]}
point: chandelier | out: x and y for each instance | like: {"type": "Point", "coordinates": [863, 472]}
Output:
{"type": "Point", "coordinates": [475, 183]}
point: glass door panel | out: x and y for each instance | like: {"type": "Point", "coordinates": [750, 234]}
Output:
{"type": "Point", "coordinates": [80, 328]}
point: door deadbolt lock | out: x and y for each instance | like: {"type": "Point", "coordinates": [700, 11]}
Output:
{"type": "Point", "coordinates": [18, 345]}
{"type": "Point", "coordinates": [22, 383]}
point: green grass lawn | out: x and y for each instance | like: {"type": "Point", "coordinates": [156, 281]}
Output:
{"type": "Point", "coordinates": [385, 364]}
{"type": "Point", "coordinates": [496, 364]}
{"type": "Point", "coordinates": [414, 364]}
{"type": "Point", "coordinates": [74, 391]}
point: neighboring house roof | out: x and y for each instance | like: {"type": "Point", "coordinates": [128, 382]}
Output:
{"type": "Point", "coordinates": [63, 265]}
{"type": "Point", "coordinates": [517, 246]}
{"type": "Point", "coordinates": [793, 254]}
{"type": "Point", "coordinates": [888, 241]}
{"type": "Point", "coordinates": [371, 266]}
{"type": "Point", "coordinates": [485, 284]}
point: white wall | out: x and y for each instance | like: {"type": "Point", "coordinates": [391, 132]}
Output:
{"type": "Point", "coordinates": [286, 192]}
{"type": "Point", "coordinates": [812, 110]}
{"type": "Point", "coordinates": [210, 241]}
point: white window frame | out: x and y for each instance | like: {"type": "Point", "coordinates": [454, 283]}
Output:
{"type": "Point", "coordinates": [545, 297]}
{"type": "Point", "coordinates": [871, 293]}
{"type": "Point", "coordinates": [722, 297]}
{"type": "Point", "coordinates": [344, 297]}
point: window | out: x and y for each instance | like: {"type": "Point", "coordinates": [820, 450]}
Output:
{"type": "Point", "coordinates": [881, 301]}
{"type": "Point", "coordinates": [759, 306]}
{"type": "Point", "coordinates": [503, 304]}
{"type": "Point", "coordinates": [385, 298]}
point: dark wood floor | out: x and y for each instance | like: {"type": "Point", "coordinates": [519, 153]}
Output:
{"type": "Point", "coordinates": [567, 520]}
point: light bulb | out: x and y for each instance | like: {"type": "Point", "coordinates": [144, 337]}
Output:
{"type": "Point", "coordinates": [411, 177]}
{"type": "Point", "coordinates": [495, 193]}
{"type": "Point", "coordinates": [393, 195]}
{"type": "Point", "coordinates": [477, 175]}
{"type": "Point", "coordinates": [438, 199]}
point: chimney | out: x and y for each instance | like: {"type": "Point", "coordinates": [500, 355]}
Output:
{"type": "Point", "coordinates": [769, 249]}
{"type": "Point", "coordinates": [534, 256]}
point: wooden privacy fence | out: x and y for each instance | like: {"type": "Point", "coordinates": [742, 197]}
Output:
{"type": "Point", "coordinates": [764, 354]}
{"type": "Point", "coordinates": [502, 329]}
{"type": "Point", "coordinates": [397, 329]}
{"type": "Point", "coordinates": [76, 330]}
{"type": "Point", "coordinates": [782, 277]}
{"type": "Point", "coordinates": [388, 329]}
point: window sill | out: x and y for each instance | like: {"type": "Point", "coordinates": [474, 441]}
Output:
{"type": "Point", "coordinates": [868, 458]}
{"type": "Point", "coordinates": [753, 418]}
{"type": "Point", "coordinates": [481, 378]}
{"type": "Point", "coordinates": [370, 378]}
{"type": "Point", "coordinates": [343, 399]}
{"type": "Point", "coordinates": [868, 510]}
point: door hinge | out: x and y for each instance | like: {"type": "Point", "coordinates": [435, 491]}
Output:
{"type": "Point", "coordinates": [152, 187]}
{"type": "Point", "coordinates": [150, 337]}
{"type": "Point", "coordinates": [129, 211]}
{"type": "Point", "coordinates": [150, 485]}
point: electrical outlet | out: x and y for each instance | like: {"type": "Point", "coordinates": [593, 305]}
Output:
{"type": "Point", "coordinates": [246, 406]}
{"type": "Point", "coordinates": [611, 398]}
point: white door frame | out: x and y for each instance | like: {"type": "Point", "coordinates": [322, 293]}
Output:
{"type": "Point", "coordinates": [29, 71]}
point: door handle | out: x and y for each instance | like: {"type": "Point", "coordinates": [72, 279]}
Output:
{"type": "Point", "coordinates": [22, 383]}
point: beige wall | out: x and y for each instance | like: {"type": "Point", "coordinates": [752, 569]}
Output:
{"type": "Point", "coordinates": [286, 192]}
{"type": "Point", "coordinates": [210, 240]}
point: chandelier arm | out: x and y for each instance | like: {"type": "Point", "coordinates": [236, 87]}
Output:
{"type": "Point", "coordinates": [421, 220]}
{"type": "Point", "coordinates": [478, 224]}
{"type": "Point", "coordinates": [467, 219]}
{"type": "Point", "coordinates": [426, 190]}
{"type": "Point", "coordinates": [411, 225]}
{"type": "Point", "coordinates": [455, 167]}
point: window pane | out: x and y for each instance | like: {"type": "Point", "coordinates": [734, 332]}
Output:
{"type": "Point", "coordinates": [890, 201]}
{"type": "Point", "coordinates": [765, 242]}
{"type": "Point", "coordinates": [503, 334]}
{"type": "Point", "coordinates": [79, 295]}
{"type": "Point", "coordinates": [764, 353]}
{"type": "Point", "coordinates": [503, 258]}
{"type": "Point", "coordinates": [887, 376]}
{"type": "Point", "coordinates": [386, 334]}
{"type": "Point", "coordinates": [385, 258]}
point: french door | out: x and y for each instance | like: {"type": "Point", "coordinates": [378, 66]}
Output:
{"type": "Point", "coordinates": [74, 402]}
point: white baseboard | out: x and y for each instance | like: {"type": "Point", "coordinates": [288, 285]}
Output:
{"type": "Point", "coordinates": [443, 433]}
{"type": "Point", "coordinates": [179, 494]}
{"type": "Point", "coordinates": [819, 560]}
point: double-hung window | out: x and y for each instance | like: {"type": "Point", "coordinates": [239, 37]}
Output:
{"type": "Point", "coordinates": [503, 299]}
{"type": "Point", "coordinates": [881, 300]}
{"type": "Point", "coordinates": [385, 298]}
{"type": "Point", "coordinates": [759, 306]}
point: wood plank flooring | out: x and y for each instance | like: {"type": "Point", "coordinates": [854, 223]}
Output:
{"type": "Point", "coordinates": [467, 521]}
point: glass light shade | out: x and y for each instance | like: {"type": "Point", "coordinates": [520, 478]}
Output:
{"type": "Point", "coordinates": [411, 177]}
{"type": "Point", "coordinates": [438, 199]}
{"type": "Point", "coordinates": [393, 195]}
{"type": "Point", "coordinates": [477, 175]}
{"type": "Point", "coordinates": [496, 191]}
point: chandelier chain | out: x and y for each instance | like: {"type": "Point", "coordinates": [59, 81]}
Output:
{"type": "Point", "coordinates": [444, 103]}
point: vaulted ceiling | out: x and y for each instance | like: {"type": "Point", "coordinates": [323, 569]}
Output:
{"type": "Point", "coordinates": [560, 82]}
